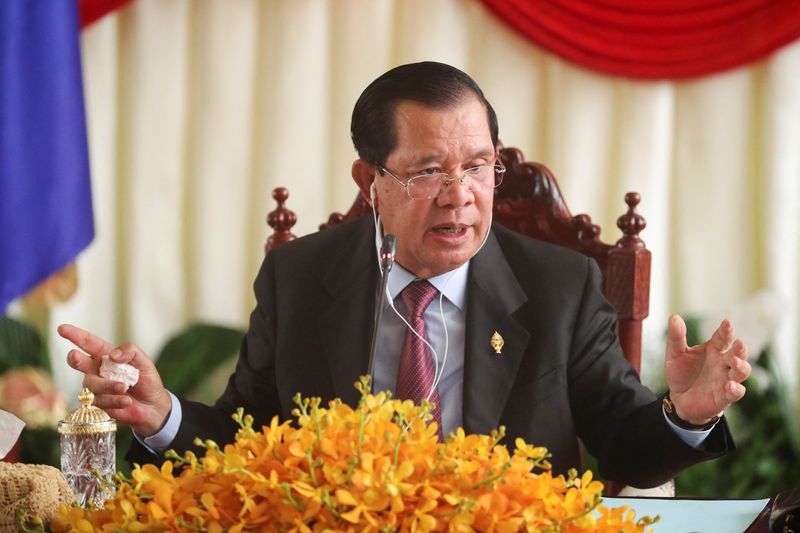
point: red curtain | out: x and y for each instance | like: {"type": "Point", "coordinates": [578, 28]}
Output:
{"type": "Point", "coordinates": [92, 10]}
{"type": "Point", "coordinates": [655, 38]}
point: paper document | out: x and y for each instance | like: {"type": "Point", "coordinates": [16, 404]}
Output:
{"type": "Point", "coordinates": [10, 429]}
{"type": "Point", "coordinates": [688, 516]}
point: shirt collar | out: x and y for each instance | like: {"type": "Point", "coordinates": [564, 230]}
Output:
{"type": "Point", "coordinates": [452, 284]}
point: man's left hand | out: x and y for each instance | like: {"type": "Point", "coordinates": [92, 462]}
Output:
{"type": "Point", "coordinates": [705, 379]}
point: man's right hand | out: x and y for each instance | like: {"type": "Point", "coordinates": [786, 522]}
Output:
{"type": "Point", "coordinates": [145, 406]}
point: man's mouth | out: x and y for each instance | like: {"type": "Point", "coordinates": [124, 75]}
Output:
{"type": "Point", "coordinates": [449, 228]}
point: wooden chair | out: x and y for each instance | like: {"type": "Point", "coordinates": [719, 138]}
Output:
{"type": "Point", "coordinates": [530, 202]}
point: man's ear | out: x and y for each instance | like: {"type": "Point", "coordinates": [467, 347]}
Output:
{"type": "Point", "coordinates": [364, 175]}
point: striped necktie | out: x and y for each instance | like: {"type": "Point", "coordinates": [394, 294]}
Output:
{"type": "Point", "coordinates": [417, 372]}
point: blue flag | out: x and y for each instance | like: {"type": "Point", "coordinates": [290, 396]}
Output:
{"type": "Point", "coordinates": [45, 194]}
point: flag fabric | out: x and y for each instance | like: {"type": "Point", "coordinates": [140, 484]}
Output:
{"type": "Point", "coordinates": [45, 194]}
{"type": "Point", "coordinates": [93, 10]}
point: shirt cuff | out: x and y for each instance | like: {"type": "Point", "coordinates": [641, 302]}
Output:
{"type": "Point", "coordinates": [159, 442]}
{"type": "Point", "coordinates": [693, 438]}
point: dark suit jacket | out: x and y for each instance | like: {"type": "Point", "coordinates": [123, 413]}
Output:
{"type": "Point", "coordinates": [562, 374]}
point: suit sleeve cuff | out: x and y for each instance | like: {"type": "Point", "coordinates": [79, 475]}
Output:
{"type": "Point", "coordinates": [694, 439]}
{"type": "Point", "coordinates": [159, 442]}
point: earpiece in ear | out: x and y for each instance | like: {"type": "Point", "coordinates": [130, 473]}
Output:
{"type": "Point", "coordinates": [372, 193]}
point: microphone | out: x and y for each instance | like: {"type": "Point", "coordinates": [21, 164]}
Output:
{"type": "Point", "coordinates": [388, 250]}
{"type": "Point", "coordinates": [386, 260]}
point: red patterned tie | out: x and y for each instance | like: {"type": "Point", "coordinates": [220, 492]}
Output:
{"type": "Point", "coordinates": [417, 368]}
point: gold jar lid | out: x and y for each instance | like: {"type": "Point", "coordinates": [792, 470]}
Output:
{"type": "Point", "coordinates": [87, 419]}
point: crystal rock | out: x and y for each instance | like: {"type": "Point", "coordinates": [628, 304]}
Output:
{"type": "Point", "coordinates": [123, 372]}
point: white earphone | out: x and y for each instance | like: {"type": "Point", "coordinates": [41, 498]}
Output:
{"type": "Point", "coordinates": [438, 366]}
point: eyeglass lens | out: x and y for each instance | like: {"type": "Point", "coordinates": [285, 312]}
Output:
{"type": "Point", "coordinates": [431, 185]}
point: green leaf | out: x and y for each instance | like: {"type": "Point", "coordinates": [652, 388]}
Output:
{"type": "Point", "coordinates": [693, 335]}
{"type": "Point", "coordinates": [21, 345]}
{"type": "Point", "coordinates": [40, 446]}
{"type": "Point", "coordinates": [784, 404]}
{"type": "Point", "coordinates": [765, 461]}
{"type": "Point", "coordinates": [194, 353]}
{"type": "Point", "coordinates": [124, 439]}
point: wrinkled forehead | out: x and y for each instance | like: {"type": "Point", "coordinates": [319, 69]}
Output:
{"type": "Point", "coordinates": [430, 132]}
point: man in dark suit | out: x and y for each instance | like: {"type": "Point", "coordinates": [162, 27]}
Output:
{"type": "Point", "coordinates": [427, 144]}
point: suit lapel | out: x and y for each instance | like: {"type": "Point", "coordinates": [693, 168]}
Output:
{"type": "Point", "coordinates": [346, 325]}
{"type": "Point", "coordinates": [493, 296]}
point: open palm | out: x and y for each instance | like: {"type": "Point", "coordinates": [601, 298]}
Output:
{"type": "Point", "coordinates": [704, 379]}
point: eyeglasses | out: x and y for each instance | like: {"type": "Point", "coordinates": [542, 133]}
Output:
{"type": "Point", "coordinates": [427, 186]}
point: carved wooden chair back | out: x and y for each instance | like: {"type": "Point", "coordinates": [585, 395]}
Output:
{"type": "Point", "coordinates": [530, 202]}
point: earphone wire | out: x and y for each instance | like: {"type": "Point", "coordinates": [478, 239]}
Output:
{"type": "Point", "coordinates": [377, 228]}
{"type": "Point", "coordinates": [438, 374]}
{"type": "Point", "coordinates": [438, 377]}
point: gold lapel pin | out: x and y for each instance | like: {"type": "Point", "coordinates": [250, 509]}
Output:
{"type": "Point", "coordinates": [497, 343]}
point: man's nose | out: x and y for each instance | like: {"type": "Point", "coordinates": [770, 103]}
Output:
{"type": "Point", "coordinates": [456, 193]}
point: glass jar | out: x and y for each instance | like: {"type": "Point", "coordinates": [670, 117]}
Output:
{"type": "Point", "coordinates": [88, 452]}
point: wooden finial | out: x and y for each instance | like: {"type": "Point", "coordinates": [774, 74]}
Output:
{"type": "Point", "coordinates": [588, 231]}
{"type": "Point", "coordinates": [280, 220]}
{"type": "Point", "coordinates": [631, 223]}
